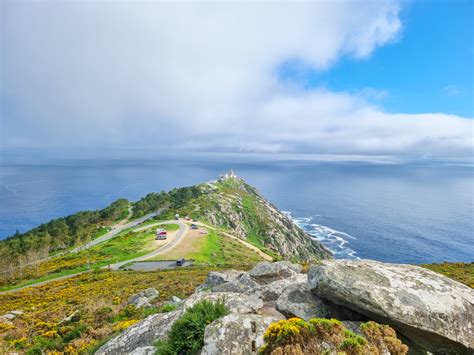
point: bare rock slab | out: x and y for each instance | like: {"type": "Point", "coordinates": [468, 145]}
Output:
{"type": "Point", "coordinates": [236, 334]}
{"type": "Point", "coordinates": [434, 311]}
{"type": "Point", "coordinates": [140, 335]}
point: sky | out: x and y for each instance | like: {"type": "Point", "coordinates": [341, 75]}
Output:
{"type": "Point", "coordinates": [381, 78]}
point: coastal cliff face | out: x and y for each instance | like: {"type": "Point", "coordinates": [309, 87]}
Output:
{"type": "Point", "coordinates": [234, 205]}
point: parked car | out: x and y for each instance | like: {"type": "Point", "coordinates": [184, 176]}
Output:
{"type": "Point", "coordinates": [193, 226]}
{"type": "Point", "coordinates": [180, 262]}
{"type": "Point", "coordinates": [161, 237]}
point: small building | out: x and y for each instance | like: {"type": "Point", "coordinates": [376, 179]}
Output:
{"type": "Point", "coordinates": [229, 175]}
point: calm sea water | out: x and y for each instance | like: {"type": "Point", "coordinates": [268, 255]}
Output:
{"type": "Point", "coordinates": [395, 213]}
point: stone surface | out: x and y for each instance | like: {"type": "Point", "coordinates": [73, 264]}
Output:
{"type": "Point", "coordinates": [243, 284]}
{"type": "Point", "coordinates": [145, 350]}
{"type": "Point", "coordinates": [215, 278]}
{"type": "Point", "coordinates": [143, 298]}
{"type": "Point", "coordinates": [235, 302]}
{"type": "Point", "coordinates": [9, 317]}
{"type": "Point", "coordinates": [272, 291]}
{"type": "Point", "coordinates": [236, 334]}
{"type": "Point", "coordinates": [141, 334]}
{"type": "Point", "coordinates": [266, 272]}
{"type": "Point", "coordinates": [298, 301]}
{"type": "Point", "coordinates": [430, 309]}
{"type": "Point", "coordinates": [176, 300]}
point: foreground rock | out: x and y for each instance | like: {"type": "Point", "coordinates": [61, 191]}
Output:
{"type": "Point", "coordinates": [298, 301]}
{"type": "Point", "coordinates": [430, 309]}
{"type": "Point", "coordinates": [265, 272]}
{"type": "Point", "coordinates": [141, 335]}
{"type": "Point", "coordinates": [236, 334]}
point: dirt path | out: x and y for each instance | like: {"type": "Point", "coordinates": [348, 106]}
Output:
{"type": "Point", "coordinates": [182, 231]}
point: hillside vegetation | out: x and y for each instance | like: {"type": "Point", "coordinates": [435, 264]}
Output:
{"type": "Point", "coordinates": [461, 272]}
{"type": "Point", "coordinates": [98, 303]}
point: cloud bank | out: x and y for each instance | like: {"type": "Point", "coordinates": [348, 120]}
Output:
{"type": "Point", "coordinates": [203, 77]}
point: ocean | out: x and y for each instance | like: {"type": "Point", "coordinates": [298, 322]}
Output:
{"type": "Point", "coordinates": [388, 212]}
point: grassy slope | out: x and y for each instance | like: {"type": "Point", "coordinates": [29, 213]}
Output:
{"type": "Point", "coordinates": [101, 299]}
{"type": "Point", "coordinates": [126, 245]}
{"type": "Point", "coordinates": [215, 249]}
{"type": "Point", "coordinates": [462, 272]}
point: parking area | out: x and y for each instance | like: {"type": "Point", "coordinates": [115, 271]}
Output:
{"type": "Point", "coordinates": [156, 265]}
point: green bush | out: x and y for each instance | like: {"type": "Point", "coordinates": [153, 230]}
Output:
{"type": "Point", "coordinates": [187, 333]}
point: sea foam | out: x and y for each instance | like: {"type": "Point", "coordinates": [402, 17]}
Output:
{"type": "Point", "coordinates": [335, 240]}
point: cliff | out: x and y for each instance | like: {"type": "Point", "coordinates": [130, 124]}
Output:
{"type": "Point", "coordinates": [233, 204]}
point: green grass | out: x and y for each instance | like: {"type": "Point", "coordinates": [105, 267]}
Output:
{"type": "Point", "coordinates": [211, 250]}
{"type": "Point", "coordinates": [44, 278]}
{"type": "Point", "coordinates": [187, 333]}
{"type": "Point", "coordinates": [127, 245]}
{"type": "Point", "coordinates": [461, 272]}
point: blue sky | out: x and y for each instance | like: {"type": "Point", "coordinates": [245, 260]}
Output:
{"type": "Point", "coordinates": [428, 67]}
{"type": "Point", "coordinates": [384, 79]}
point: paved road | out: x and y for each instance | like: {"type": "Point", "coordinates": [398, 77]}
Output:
{"type": "Point", "coordinates": [183, 229]}
{"type": "Point", "coordinates": [115, 230]}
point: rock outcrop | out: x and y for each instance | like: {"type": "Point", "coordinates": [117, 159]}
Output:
{"type": "Point", "coordinates": [430, 309]}
{"type": "Point", "coordinates": [143, 299]}
{"type": "Point", "coordinates": [141, 334]}
{"type": "Point", "coordinates": [433, 312]}
{"type": "Point", "coordinates": [236, 334]}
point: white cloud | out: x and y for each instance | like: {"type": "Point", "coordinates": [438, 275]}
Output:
{"type": "Point", "coordinates": [202, 76]}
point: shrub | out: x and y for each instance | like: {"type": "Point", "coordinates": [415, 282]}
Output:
{"type": "Point", "coordinates": [167, 307]}
{"type": "Point", "coordinates": [187, 333]}
{"type": "Point", "coordinates": [319, 335]}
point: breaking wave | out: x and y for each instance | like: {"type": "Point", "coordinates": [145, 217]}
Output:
{"type": "Point", "coordinates": [335, 240]}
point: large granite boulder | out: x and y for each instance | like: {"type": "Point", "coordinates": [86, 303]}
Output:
{"type": "Point", "coordinates": [432, 310]}
{"type": "Point", "coordinates": [271, 291]}
{"type": "Point", "coordinates": [297, 300]}
{"type": "Point", "coordinates": [141, 334]}
{"type": "Point", "coordinates": [266, 272]}
{"type": "Point", "coordinates": [236, 334]}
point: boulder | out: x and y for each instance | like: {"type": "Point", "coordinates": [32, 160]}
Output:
{"type": "Point", "coordinates": [236, 334]}
{"type": "Point", "coordinates": [242, 284]}
{"type": "Point", "coordinates": [176, 300]}
{"type": "Point", "coordinates": [266, 272]}
{"type": "Point", "coordinates": [215, 278]}
{"type": "Point", "coordinates": [235, 302]}
{"type": "Point", "coordinates": [272, 291]}
{"type": "Point", "coordinates": [143, 298]}
{"type": "Point", "coordinates": [433, 311]}
{"type": "Point", "coordinates": [8, 317]}
{"type": "Point", "coordinates": [298, 301]}
{"type": "Point", "coordinates": [141, 334]}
